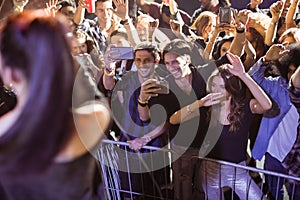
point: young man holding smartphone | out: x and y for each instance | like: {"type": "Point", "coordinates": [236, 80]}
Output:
{"type": "Point", "coordinates": [124, 104]}
{"type": "Point", "coordinates": [186, 120]}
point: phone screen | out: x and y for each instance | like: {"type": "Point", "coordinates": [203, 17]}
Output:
{"type": "Point", "coordinates": [121, 53]}
{"type": "Point", "coordinates": [164, 87]}
{"type": "Point", "coordinates": [225, 15]}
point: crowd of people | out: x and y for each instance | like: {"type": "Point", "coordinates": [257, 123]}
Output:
{"type": "Point", "coordinates": [203, 82]}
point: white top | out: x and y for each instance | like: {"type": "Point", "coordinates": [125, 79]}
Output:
{"type": "Point", "coordinates": [285, 135]}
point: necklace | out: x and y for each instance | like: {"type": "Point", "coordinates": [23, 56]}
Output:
{"type": "Point", "coordinates": [224, 111]}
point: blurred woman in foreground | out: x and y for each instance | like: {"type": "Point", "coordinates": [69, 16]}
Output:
{"type": "Point", "coordinates": [43, 155]}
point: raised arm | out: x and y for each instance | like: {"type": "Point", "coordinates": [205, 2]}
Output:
{"type": "Point", "coordinates": [220, 27]}
{"type": "Point", "coordinates": [289, 19]}
{"type": "Point", "coordinates": [261, 102]}
{"type": "Point", "coordinates": [250, 55]}
{"type": "Point", "coordinates": [52, 7]}
{"type": "Point", "coordinates": [121, 11]}
{"type": "Point", "coordinates": [144, 5]}
{"type": "Point", "coordinates": [238, 42]}
{"type": "Point", "coordinates": [276, 10]}
{"type": "Point", "coordinates": [79, 12]}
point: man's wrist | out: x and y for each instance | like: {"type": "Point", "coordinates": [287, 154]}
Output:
{"type": "Point", "coordinates": [108, 73]}
{"type": "Point", "coordinates": [148, 138]}
{"type": "Point", "coordinates": [240, 30]}
{"type": "Point", "coordinates": [142, 102]}
{"type": "Point", "coordinates": [125, 21]}
{"type": "Point", "coordinates": [265, 61]}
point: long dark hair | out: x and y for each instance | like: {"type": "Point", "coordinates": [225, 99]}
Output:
{"type": "Point", "coordinates": [36, 46]}
{"type": "Point", "coordinates": [236, 89]}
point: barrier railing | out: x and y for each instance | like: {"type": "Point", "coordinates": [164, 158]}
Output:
{"type": "Point", "coordinates": [122, 180]}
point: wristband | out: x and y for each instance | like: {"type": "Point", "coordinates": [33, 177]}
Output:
{"type": "Point", "coordinates": [240, 31]}
{"type": "Point", "coordinates": [148, 138]}
{"type": "Point", "coordinates": [142, 103]}
{"type": "Point", "coordinates": [126, 21]}
{"type": "Point", "coordinates": [108, 73]}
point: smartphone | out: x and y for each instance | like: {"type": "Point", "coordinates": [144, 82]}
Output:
{"type": "Point", "coordinates": [164, 87]}
{"type": "Point", "coordinates": [121, 53]}
{"type": "Point", "coordinates": [225, 15]}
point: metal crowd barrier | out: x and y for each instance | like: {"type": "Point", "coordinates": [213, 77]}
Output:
{"type": "Point", "coordinates": [160, 186]}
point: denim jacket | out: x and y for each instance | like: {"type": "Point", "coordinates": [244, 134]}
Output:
{"type": "Point", "coordinates": [277, 89]}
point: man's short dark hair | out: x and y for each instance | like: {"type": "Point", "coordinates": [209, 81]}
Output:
{"type": "Point", "coordinates": [179, 47]}
{"type": "Point", "coordinates": [148, 46]}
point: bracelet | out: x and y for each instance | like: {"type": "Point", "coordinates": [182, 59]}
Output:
{"type": "Point", "coordinates": [274, 23]}
{"type": "Point", "coordinates": [126, 21]}
{"type": "Point", "coordinates": [142, 103]}
{"type": "Point", "coordinates": [240, 31]}
{"type": "Point", "coordinates": [264, 62]}
{"type": "Point", "coordinates": [188, 109]}
{"type": "Point", "coordinates": [108, 74]}
{"type": "Point", "coordinates": [148, 138]}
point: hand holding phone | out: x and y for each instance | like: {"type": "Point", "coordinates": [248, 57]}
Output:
{"type": "Point", "coordinates": [164, 87]}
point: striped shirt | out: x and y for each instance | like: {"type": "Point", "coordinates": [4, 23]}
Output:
{"type": "Point", "coordinates": [292, 160]}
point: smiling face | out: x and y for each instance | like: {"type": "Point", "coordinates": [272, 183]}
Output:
{"type": "Point", "coordinates": [145, 63]}
{"type": "Point", "coordinates": [142, 30]}
{"type": "Point", "coordinates": [77, 47]}
{"type": "Point", "coordinates": [218, 85]}
{"type": "Point", "coordinates": [104, 11]}
{"type": "Point", "coordinates": [177, 65]}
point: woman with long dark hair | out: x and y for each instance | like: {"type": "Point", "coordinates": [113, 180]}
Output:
{"type": "Point", "coordinates": [42, 155]}
{"type": "Point", "coordinates": [229, 126]}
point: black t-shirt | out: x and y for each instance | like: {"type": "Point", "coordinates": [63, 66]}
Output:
{"type": "Point", "coordinates": [77, 179]}
{"type": "Point", "coordinates": [192, 132]}
{"type": "Point", "coordinates": [232, 146]}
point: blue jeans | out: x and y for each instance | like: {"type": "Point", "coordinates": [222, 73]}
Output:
{"type": "Point", "coordinates": [215, 177]}
{"type": "Point", "coordinates": [275, 184]}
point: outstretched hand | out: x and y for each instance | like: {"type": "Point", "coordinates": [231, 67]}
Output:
{"type": "Point", "coordinates": [210, 99]}
{"type": "Point", "coordinates": [276, 10]}
{"type": "Point", "coordinates": [52, 7]}
{"type": "Point", "coordinates": [236, 68]}
{"type": "Point", "coordinates": [121, 9]}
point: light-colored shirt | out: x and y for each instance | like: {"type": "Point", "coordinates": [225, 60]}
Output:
{"type": "Point", "coordinates": [285, 135]}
